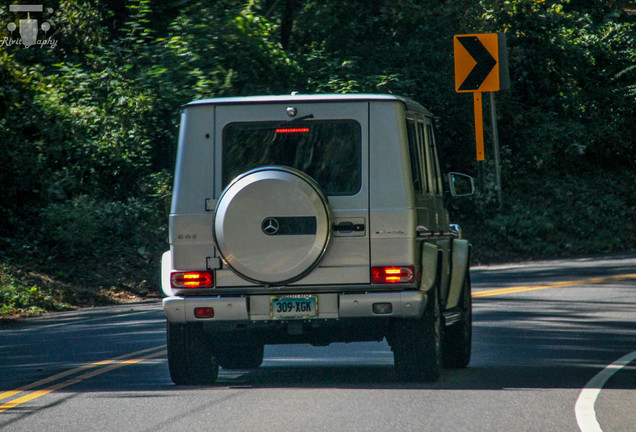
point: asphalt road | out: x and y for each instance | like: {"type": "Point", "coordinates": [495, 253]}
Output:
{"type": "Point", "coordinates": [545, 335]}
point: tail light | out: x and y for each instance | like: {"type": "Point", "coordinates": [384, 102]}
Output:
{"type": "Point", "coordinates": [195, 279]}
{"type": "Point", "coordinates": [291, 130]}
{"type": "Point", "coordinates": [392, 274]}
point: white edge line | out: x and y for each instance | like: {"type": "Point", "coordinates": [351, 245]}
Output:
{"type": "Point", "coordinates": [584, 408]}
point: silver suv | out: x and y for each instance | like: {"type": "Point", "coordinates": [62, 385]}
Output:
{"type": "Point", "coordinates": [313, 219]}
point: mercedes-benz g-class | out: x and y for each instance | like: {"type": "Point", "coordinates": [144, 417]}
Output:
{"type": "Point", "coordinates": [313, 219]}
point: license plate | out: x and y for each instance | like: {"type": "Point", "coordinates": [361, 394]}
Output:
{"type": "Point", "coordinates": [294, 307]}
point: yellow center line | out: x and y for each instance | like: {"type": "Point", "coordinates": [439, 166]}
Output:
{"type": "Point", "coordinates": [53, 378]}
{"type": "Point", "coordinates": [512, 290]}
{"type": "Point", "coordinates": [109, 366]}
{"type": "Point", "coordinates": [73, 371]}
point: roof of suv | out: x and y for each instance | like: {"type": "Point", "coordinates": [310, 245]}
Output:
{"type": "Point", "coordinates": [410, 104]}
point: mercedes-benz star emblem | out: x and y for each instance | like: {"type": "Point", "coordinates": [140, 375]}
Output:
{"type": "Point", "coordinates": [270, 226]}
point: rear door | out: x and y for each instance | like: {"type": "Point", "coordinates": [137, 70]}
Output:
{"type": "Point", "coordinates": [327, 141]}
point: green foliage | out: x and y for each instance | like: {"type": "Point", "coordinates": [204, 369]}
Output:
{"type": "Point", "coordinates": [89, 129]}
{"type": "Point", "coordinates": [26, 300]}
{"type": "Point", "coordinates": [571, 67]}
{"type": "Point", "coordinates": [555, 216]}
{"type": "Point", "coordinates": [87, 228]}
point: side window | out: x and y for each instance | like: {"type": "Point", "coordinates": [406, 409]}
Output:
{"type": "Point", "coordinates": [416, 172]}
{"type": "Point", "coordinates": [437, 179]}
{"type": "Point", "coordinates": [423, 155]}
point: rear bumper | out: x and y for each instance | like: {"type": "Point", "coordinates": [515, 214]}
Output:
{"type": "Point", "coordinates": [404, 304]}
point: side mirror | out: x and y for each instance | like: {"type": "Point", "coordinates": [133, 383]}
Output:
{"type": "Point", "coordinates": [461, 185]}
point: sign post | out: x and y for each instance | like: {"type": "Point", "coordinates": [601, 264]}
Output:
{"type": "Point", "coordinates": [495, 145]}
{"type": "Point", "coordinates": [479, 125]}
{"type": "Point", "coordinates": [475, 59]}
{"type": "Point", "coordinates": [481, 65]}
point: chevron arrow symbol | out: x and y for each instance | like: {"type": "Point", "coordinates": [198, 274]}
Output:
{"type": "Point", "coordinates": [485, 63]}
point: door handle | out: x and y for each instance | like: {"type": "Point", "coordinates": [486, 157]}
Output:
{"type": "Point", "coordinates": [348, 227]}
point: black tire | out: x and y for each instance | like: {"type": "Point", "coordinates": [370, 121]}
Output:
{"type": "Point", "coordinates": [240, 356]}
{"type": "Point", "coordinates": [417, 344]}
{"type": "Point", "coordinates": [458, 337]}
{"type": "Point", "coordinates": [190, 358]}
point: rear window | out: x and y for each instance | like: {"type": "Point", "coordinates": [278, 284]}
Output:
{"type": "Point", "coordinates": [327, 150]}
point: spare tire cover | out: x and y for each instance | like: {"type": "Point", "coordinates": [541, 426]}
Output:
{"type": "Point", "coordinates": [272, 225]}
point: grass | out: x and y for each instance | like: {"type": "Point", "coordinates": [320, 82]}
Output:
{"type": "Point", "coordinates": [22, 296]}
{"type": "Point", "coordinates": [27, 293]}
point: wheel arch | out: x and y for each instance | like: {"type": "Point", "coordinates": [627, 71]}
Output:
{"type": "Point", "coordinates": [460, 267]}
{"type": "Point", "coordinates": [431, 260]}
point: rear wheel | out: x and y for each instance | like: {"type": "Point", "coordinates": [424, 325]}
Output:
{"type": "Point", "coordinates": [458, 337]}
{"type": "Point", "coordinates": [417, 344]}
{"type": "Point", "coordinates": [190, 358]}
{"type": "Point", "coordinates": [240, 356]}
